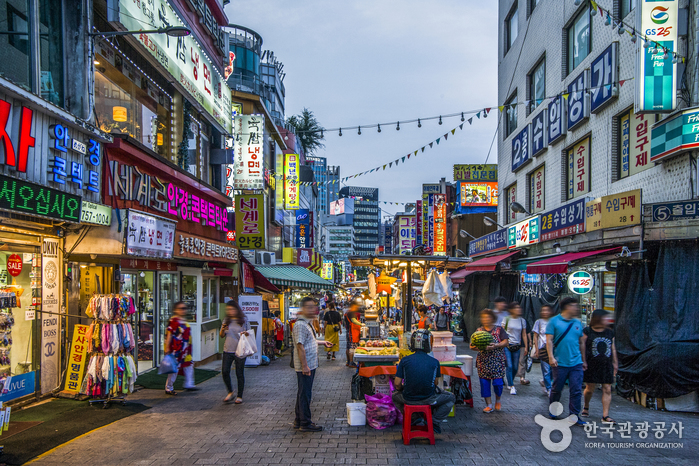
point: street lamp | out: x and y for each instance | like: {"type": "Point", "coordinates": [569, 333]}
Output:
{"type": "Point", "coordinates": [464, 234]}
{"type": "Point", "coordinates": [518, 208]}
{"type": "Point", "coordinates": [172, 31]}
{"type": "Point", "coordinates": [490, 222]}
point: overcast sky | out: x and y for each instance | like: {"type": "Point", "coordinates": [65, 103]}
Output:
{"type": "Point", "coordinates": [357, 62]}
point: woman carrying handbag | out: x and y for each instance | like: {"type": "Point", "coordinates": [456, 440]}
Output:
{"type": "Point", "coordinates": [235, 324]}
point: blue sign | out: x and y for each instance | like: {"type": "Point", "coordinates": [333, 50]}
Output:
{"type": "Point", "coordinates": [669, 211]}
{"type": "Point", "coordinates": [492, 242]}
{"type": "Point", "coordinates": [303, 217]}
{"type": "Point", "coordinates": [556, 117]}
{"type": "Point", "coordinates": [564, 221]}
{"type": "Point", "coordinates": [603, 77]}
{"type": "Point", "coordinates": [578, 109]}
{"type": "Point", "coordinates": [470, 207]}
{"type": "Point", "coordinates": [17, 385]}
{"type": "Point", "coordinates": [539, 141]}
{"type": "Point", "coordinates": [521, 149]}
{"type": "Point", "coordinates": [303, 235]}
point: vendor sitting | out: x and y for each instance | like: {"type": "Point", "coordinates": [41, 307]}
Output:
{"type": "Point", "coordinates": [416, 377]}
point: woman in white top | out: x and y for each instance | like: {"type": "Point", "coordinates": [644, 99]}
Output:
{"type": "Point", "coordinates": [516, 328]}
{"type": "Point", "coordinates": [539, 347]}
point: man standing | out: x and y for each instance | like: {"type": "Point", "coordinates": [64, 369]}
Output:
{"type": "Point", "coordinates": [352, 327]}
{"type": "Point", "coordinates": [566, 349]}
{"type": "Point", "coordinates": [306, 363]}
{"type": "Point", "coordinates": [442, 320]}
{"type": "Point", "coordinates": [500, 309]}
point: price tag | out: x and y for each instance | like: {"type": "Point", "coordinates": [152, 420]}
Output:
{"type": "Point", "coordinates": [29, 315]}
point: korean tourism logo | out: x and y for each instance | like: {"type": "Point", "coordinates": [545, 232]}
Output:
{"type": "Point", "coordinates": [659, 15]}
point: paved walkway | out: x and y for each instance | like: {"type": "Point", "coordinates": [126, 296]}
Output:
{"type": "Point", "coordinates": [196, 428]}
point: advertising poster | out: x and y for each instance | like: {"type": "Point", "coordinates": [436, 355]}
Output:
{"type": "Point", "coordinates": [76, 361]}
{"type": "Point", "coordinates": [483, 194]}
{"type": "Point", "coordinates": [579, 169]}
{"type": "Point", "coordinates": [252, 308]}
{"type": "Point", "coordinates": [250, 221]}
{"type": "Point", "coordinates": [406, 233]}
{"type": "Point", "coordinates": [249, 151]}
{"type": "Point", "coordinates": [50, 302]}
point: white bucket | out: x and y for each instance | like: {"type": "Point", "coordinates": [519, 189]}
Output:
{"type": "Point", "coordinates": [467, 368]}
{"type": "Point", "coordinates": [356, 414]}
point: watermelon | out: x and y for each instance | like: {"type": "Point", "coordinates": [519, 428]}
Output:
{"type": "Point", "coordinates": [481, 339]}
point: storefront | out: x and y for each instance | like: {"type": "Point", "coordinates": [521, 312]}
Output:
{"type": "Point", "coordinates": [50, 169]}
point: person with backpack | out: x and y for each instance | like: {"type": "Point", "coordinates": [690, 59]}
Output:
{"type": "Point", "coordinates": [566, 349]}
{"type": "Point", "coordinates": [516, 328]}
{"type": "Point", "coordinates": [602, 362]}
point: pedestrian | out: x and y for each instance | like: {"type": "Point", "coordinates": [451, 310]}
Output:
{"type": "Point", "coordinates": [500, 310]}
{"type": "Point", "coordinates": [602, 362]}
{"type": "Point", "coordinates": [424, 321]}
{"type": "Point", "coordinates": [442, 320]}
{"type": "Point", "coordinates": [516, 328]}
{"type": "Point", "coordinates": [306, 363]}
{"type": "Point", "coordinates": [333, 330]}
{"type": "Point", "coordinates": [178, 342]}
{"type": "Point", "coordinates": [352, 327]}
{"type": "Point", "coordinates": [415, 380]}
{"type": "Point", "coordinates": [235, 325]}
{"type": "Point", "coordinates": [539, 347]}
{"type": "Point", "coordinates": [490, 362]}
{"type": "Point", "coordinates": [566, 349]}
{"type": "Point", "coordinates": [279, 332]}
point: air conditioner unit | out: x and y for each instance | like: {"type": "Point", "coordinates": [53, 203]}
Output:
{"type": "Point", "coordinates": [265, 258]}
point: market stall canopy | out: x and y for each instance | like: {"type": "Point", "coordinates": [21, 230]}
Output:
{"type": "Point", "coordinates": [261, 283]}
{"type": "Point", "coordinates": [488, 264]}
{"type": "Point", "coordinates": [379, 260]}
{"type": "Point", "coordinates": [460, 275]}
{"type": "Point", "coordinates": [560, 264]}
{"type": "Point", "coordinates": [294, 276]}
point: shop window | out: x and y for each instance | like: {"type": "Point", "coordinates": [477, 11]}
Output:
{"type": "Point", "coordinates": [627, 6]}
{"type": "Point", "coordinates": [189, 296]}
{"type": "Point", "coordinates": [14, 46]}
{"type": "Point", "coordinates": [536, 93]}
{"type": "Point", "coordinates": [210, 299]}
{"type": "Point", "coordinates": [579, 39]}
{"type": "Point", "coordinates": [51, 50]}
{"type": "Point", "coordinates": [127, 103]}
{"type": "Point", "coordinates": [511, 115]}
{"type": "Point", "coordinates": [511, 28]}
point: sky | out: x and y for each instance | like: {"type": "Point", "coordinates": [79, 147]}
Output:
{"type": "Point", "coordinates": [357, 62]}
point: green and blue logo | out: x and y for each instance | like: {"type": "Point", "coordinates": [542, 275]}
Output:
{"type": "Point", "coordinates": [659, 15]}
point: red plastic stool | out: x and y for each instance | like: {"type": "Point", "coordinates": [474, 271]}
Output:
{"type": "Point", "coordinates": [410, 431]}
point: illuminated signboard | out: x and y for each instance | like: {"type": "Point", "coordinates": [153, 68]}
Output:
{"type": "Point", "coordinates": [440, 225]}
{"type": "Point", "coordinates": [291, 181]}
{"type": "Point", "coordinates": [524, 233]}
{"type": "Point", "coordinates": [149, 236]}
{"type": "Point", "coordinates": [96, 213]}
{"type": "Point", "coordinates": [28, 198]}
{"type": "Point", "coordinates": [250, 221]}
{"type": "Point", "coordinates": [249, 152]}
{"type": "Point", "coordinates": [488, 172]}
{"type": "Point", "coordinates": [478, 194]}
{"type": "Point", "coordinates": [406, 233]}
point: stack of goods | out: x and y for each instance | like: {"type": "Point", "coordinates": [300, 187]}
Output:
{"type": "Point", "coordinates": [443, 350]}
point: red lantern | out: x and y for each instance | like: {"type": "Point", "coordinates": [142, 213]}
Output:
{"type": "Point", "coordinates": [14, 265]}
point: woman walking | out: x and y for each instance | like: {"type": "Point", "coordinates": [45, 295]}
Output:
{"type": "Point", "coordinates": [235, 324]}
{"type": "Point", "coordinates": [490, 362]}
{"type": "Point", "coordinates": [516, 328]}
{"type": "Point", "coordinates": [333, 330]}
{"type": "Point", "coordinates": [602, 362]}
{"type": "Point", "coordinates": [178, 343]}
{"type": "Point", "coordinates": [539, 345]}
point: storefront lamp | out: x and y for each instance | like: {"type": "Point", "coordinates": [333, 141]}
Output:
{"type": "Point", "coordinates": [490, 222]}
{"type": "Point", "coordinates": [518, 208]}
{"type": "Point", "coordinates": [403, 264]}
{"type": "Point", "coordinates": [464, 234]}
{"type": "Point", "coordinates": [119, 113]}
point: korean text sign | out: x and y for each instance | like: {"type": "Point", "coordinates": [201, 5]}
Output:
{"type": "Point", "coordinates": [579, 169]}
{"type": "Point", "coordinates": [536, 189]}
{"type": "Point", "coordinates": [252, 308]}
{"type": "Point", "coordinates": [76, 360]}
{"type": "Point", "coordinates": [149, 236]}
{"type": "Point", "coordinates": [564, 221]}
{"type": "Point", "coordinates": [291, 181]}
{"type": "Point", "coordinates": [669, 211]}
{"type": "Point", "coordinates": [492, 242]}
{"type": "Point", "coordinates": [440, 225]}
{"type": "Point", "coordinates": [578, 101]}
{"type": "Point", "coordinates": [635, 143]}
{"type": "Point", "coordinates": [406, 233]}
{"type": "Point", "coordinates": [521, 149]}
{"type": "Point", "coordinates": [249, 151]}
{"type": "Point", "coordinates": [524, 233]}
{"type": "Point", "coordinates": [603, 85]}
{"type": "Point", "coordinates": [193, 247]}
{"type": "Point", "coordinates": [557, 119]}
{"type": "Point", "coordinates": [29, 198]}
{"type": "Point", "coordinates": [478, 194]}
{"type": "Point", "coordinates": [250, 221]}
{"type": "Point", "coordinates": [615, 210]}
{"type": "Point", "coordinates": [488, 172]}
{"type": "Point", "coordinates": [539, 136]}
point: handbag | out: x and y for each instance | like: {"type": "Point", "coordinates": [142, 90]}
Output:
{"type": "Point", "coordinates": [543, 355]}
{"type": "Point", "coordinates": [514, 348]}
{"type": "Point", "coordinates": [336, 328]}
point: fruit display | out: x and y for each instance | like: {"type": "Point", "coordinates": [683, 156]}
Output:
{"type": "Point", "coordinates": [377, 343]}
{"type": "Point", "coordinates": [481, 339]}
{"type": "Point", "coordinates": [377, 352]}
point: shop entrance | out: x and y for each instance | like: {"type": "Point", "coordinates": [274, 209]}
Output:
{"type": "Point", "coordinates": [169, 294]}
{"type": "Point", "coordinates": [141, 286]}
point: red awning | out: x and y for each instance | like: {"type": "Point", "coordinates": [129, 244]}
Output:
{"type": "Point", "coordinates": [489, 263]}
{"type": "Point", "coordinates": [559, 264]}
{"type": "Point", "coordinates": [460, 275]}
{"type": "Point", "coordinates": [261, 282]}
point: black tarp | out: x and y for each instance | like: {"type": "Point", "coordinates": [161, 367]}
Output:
{"type": "Point", "coordinates": [657, 322]}
{"type": "Point", "coordinates": [478, 292]}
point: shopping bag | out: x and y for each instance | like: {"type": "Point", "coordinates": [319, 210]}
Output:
{"type": "Point", "coordinates": [168, 365]}
{"type": "Point", "coordinates": [247, 346]}
{"type": "Point", "coordinates": [380, 411]}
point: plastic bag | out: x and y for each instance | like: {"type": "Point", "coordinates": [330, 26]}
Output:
{"type": "Point", "coordinates": [247, 346]}
{"type": "Point", "coordinates": [380, 411]}
{"type": "Point", "coordinates": [459, 388]}
{"type": "Point", "coordinates": [168, 365]}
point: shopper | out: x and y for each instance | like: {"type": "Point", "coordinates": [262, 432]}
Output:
{"type": "Point", "coordinates": [333, 330]}
{"type": "Point", "coordinates": [415, 380]}
{"type": "Point", "coordinates": [539, 347]}
{"type": "Point", "coordinates": [235, 325]}
{"type": "Point", "coordinates": [306, 363]}
{"type": "Point", "coordinates": [490, 362]}
{"type": "Point", "coordinates": [500, 310]}
{"type": "Point", "coordinates": [279, 332]}
{"type": "Point", "coordinates": [442, 320]}
{"type": "Point", "coordinates": [602, 362]}
{"type": "Point", "coordinates": [178, 342]}
{"type": "Point", "coordinates": [352, 327]}
{"type": "Point", "coordinates": [566, 349]}
{"type": "Point", "coordinates": [424, 321]}
{"type": "Point", "coordinates": [516, 328]}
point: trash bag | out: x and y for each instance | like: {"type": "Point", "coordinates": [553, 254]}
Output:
{"type": "Point", "coordinates": [265, 361]}
{"type": "Point", "coordinates": [361, 386]}
{"type": "Point", "coordinates": [459, 388]}
{"type": "Point", "coordinates": [168, 365]}
{"type": "Point", "coordinates": [380, 411]}
{"type": "Point", "coordinates": [247, 346]}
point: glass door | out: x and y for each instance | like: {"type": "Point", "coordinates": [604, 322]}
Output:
{"type": "Point", "coordinates": [169, 294]}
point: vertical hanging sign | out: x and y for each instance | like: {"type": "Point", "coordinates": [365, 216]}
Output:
{"type": "Point", "coordinates": [250, 221]}
{"type": "Point", "coordinates": [656, 80]}
{"type": "Point", "coordinates": [249, 151]}
{"type": "Point", "coordinates": [440, 225]}
{"type": "Point", "coordinates": [50, 302]}
{"type": "Point", "coordinates": [291, 181]}
{"type": "Point", "coordinates": [418, 225]}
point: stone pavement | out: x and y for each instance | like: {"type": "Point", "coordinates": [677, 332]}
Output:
{"type": "Point", "coordinates": [197, 428]}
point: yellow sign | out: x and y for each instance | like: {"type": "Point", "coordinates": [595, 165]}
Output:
{"type": "Point", "coordinates": [291, 181]}
{"type": "Point", "coordinates": [384, 282]}
{"type": "Point", "coordinates": [76, 361]}
{"type": "Point", "coordinates": [615, 210]}
{"type": "Point", "coordinates": [593, 215]}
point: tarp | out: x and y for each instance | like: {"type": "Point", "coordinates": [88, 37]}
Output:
{"type": "Point", "coordinates": [478, 292]}
{"type": "Point", "coordinates": [559, 264]}
{"type": "Point", "coordinates": [657, 322]}
{"type": "Point", "coordinates": [488, 264]}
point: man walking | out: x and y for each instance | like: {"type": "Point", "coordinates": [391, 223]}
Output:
{"type": "Point", "coordinates": [306, 363]}
{"type": "Point", "coordinates": [352, 326]}
{"type": "Point", "coordinates": [500, 309]}
{"type": "Point", "coordinates": [442, 320]}
{"type": "Point", "coordinates": [566, 350]}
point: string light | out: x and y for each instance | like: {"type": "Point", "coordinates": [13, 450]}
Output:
{"type": "Point", "coordinates": [665, 55]}
{"type": "Point", "coordinates": [379, 130]}
{"type": "Point", "coordinates": [621, 29]}
{"type": "Point", "coordinates": [462, 117]}
{"type": "Point", "coordinates": [608, 21]}
{"type": "Point", "coordinates": [646, 44]}
{"type": "Point", "coordinates": [398, 126]}
{"type": "Point", "coordinates": [359, 130]}
{"type": "Point", "coordinates": [440, 119]}
{"type": "Point", "coordinates": [340, 134]}
{"type": "Point", "coordinates": [419, 125]}
{"type": "Point", "coordinates": [633, 37]}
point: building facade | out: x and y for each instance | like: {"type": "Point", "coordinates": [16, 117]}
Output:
{"type": "Point", "coordinates": [366, 217]}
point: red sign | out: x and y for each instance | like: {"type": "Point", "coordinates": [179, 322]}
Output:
{"type": "Point", "coordinates": [14, 265]}
{"type": "Point", "coordinates": [19, 158]}
{"type": "Point", "coordinates": [230, 236]}
{"type": "Point", "coordinates": [146, 264]}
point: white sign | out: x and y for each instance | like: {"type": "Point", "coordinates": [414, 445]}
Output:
{"type": "Point", "coordinates": [252, 308]}
{"type": "Point", "coordinates": [580, 282]}
{"type": "Point", "coordinates": [149, 236]}
{"type": "Point", "coordinates": [249, 151]}
{"type": "Point", "coordinates": [184, 59]}
{"type": "Point", "coordinates": [29, 314]}
{"type": "Point", "coordinates": [96, 213]}
{"type": "Point", "coordinates": [50, 302]}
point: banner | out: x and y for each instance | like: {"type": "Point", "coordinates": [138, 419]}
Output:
{"type": "Point", "coordinates": [523, 233]}
{"type": "Point", "coordinates": [488, 172]}
{"type": "Point", "coordinates": [564, 221]}
{"type": "Point", "coordinates": [327, 272]}
{"type": "Point", "coordinates": [579, 169]}
{"type": "Point", "coordinates": [252, 308]}
{"type": "Point", "coordinates": [249, 151]}
{"type": "Point", "coordinates": [250, 221]}
{"type": "Point", "coordinates": [492, 242]}
{"type": "Point", "coordinates": [52, 271]}
{"type": "Point", "coordinates": [440, 224]}
{"type": "Point", "coordinates": [477, 194]}
{"type": "Point", "coordinates": [291, 181]}
{"type": "Point", "coordinates": [430, 221]}
{"type": "Point", "coordinates": [418, 223]}
{"type": "Point", "coordinates": [406, 233]}
{"type": "Point", "coordinates": [656, 80]}
{"type": "Point", "coordinates": [149, 236]}
{"type": "Point", "coordinates": [76, 361]}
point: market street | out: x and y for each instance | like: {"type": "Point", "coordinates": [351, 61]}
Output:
{"type": "Point", "coordinates": [196, 428]}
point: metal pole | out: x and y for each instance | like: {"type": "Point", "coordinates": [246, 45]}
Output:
{"type": "Point", "coordinates": [408, 301]}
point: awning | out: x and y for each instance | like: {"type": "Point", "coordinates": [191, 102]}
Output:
{"type": "Point", "coordinates": [559, 264]}
{"type": "Point", "coordinates": [488, 264]}
{"type": "Point", "coordinates": [294, 276]}
{"type": "Point", "coordinates": [460, 275]}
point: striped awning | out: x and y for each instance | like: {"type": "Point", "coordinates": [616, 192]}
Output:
{"type": "Point", "coordinates": [294, 276]}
